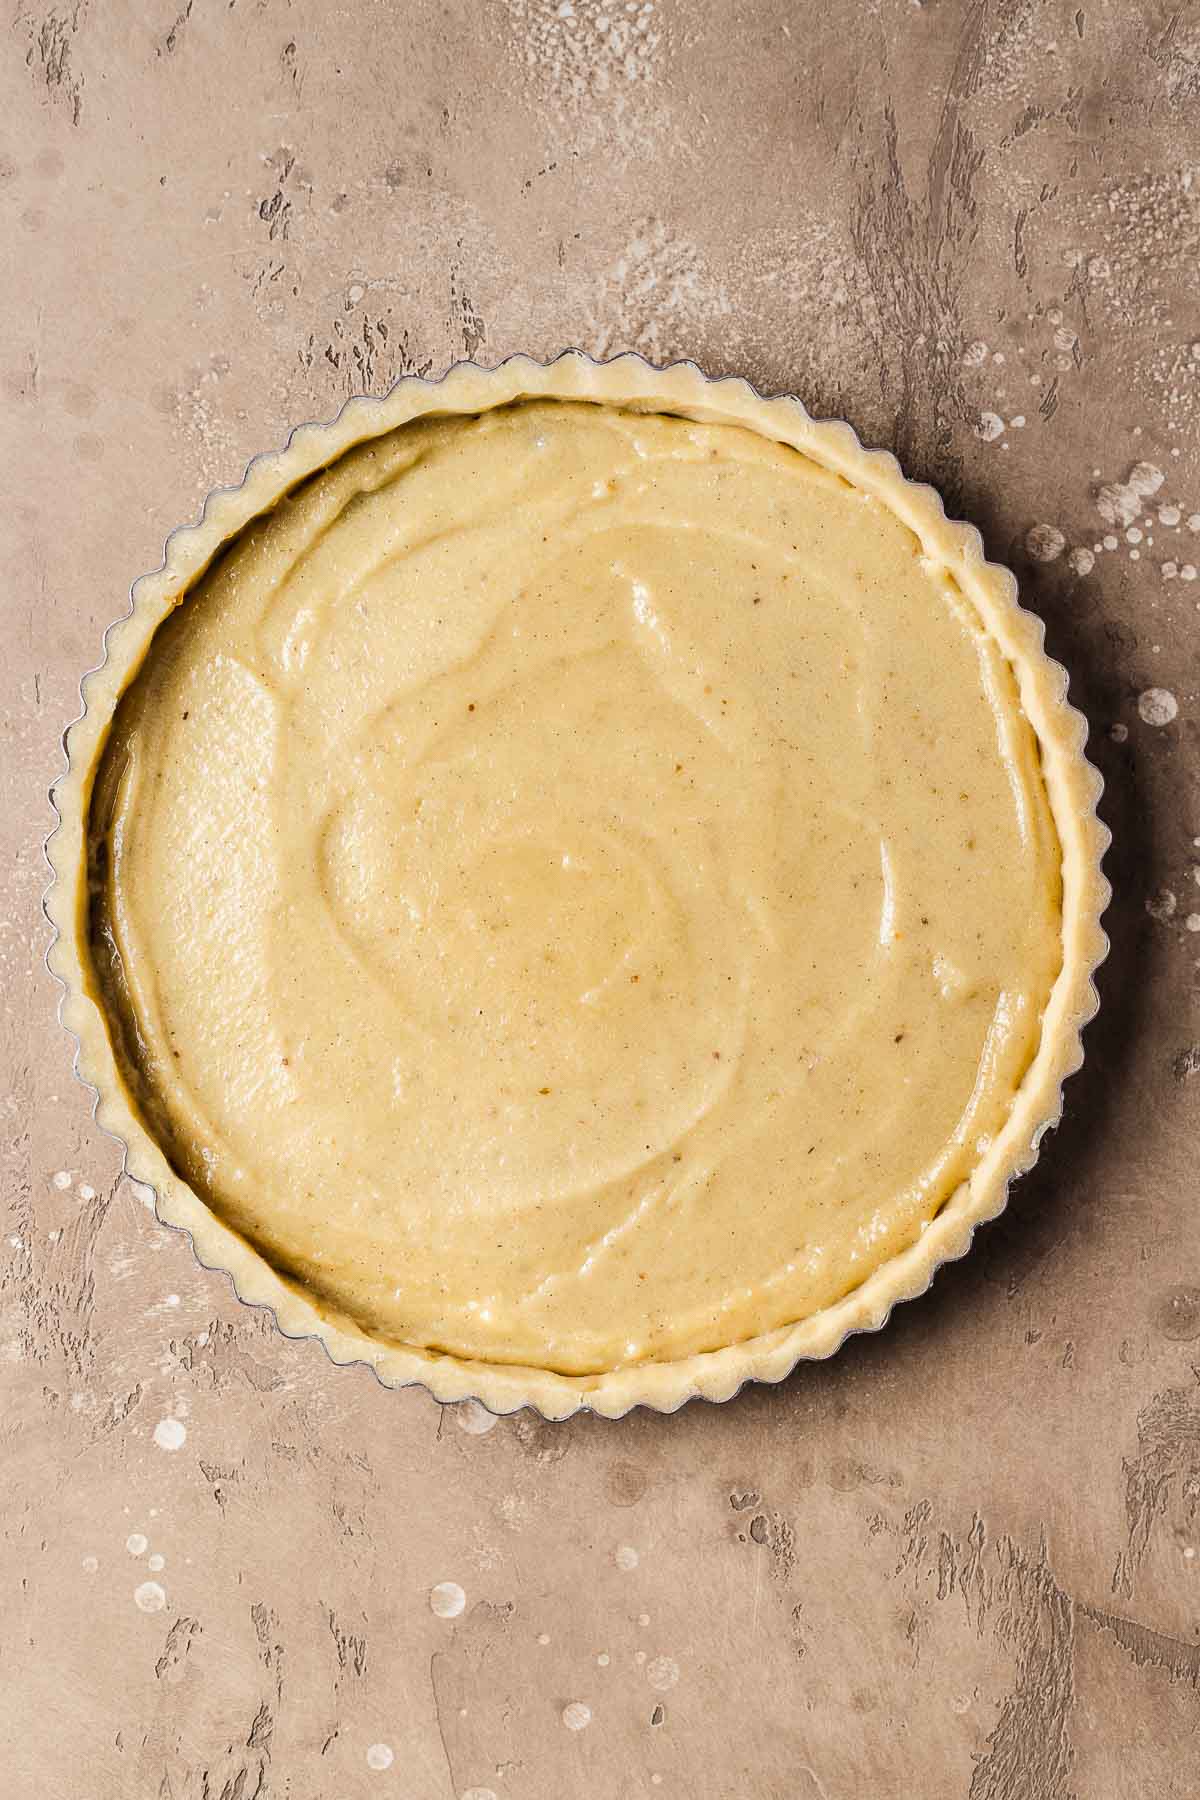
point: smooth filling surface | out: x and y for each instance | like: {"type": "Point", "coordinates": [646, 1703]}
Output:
{"type": "Point", "coordinates": [574, 886]}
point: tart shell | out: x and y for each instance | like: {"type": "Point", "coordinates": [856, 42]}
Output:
{"type": "Point", "coordinates": [1072, 784]}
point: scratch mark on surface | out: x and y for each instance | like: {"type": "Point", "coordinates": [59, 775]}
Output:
{"type": "Point", "coordinates": [119, 1409]}
{"type": "Point", "coordinates": [51, 46]}
{"type": "Point", "coordinates": [261, 1730]}
{"type": "Point", "coordinates": [175, 1649]}
{"type": "Point", "coordinates": [917, 1540]}
{"type": "Point", "coordinates": [55, 1294]}
{"type": "Point", "coordinates": [465, 316]}
{"type": "Point", "coordinates": [1165, 1470]}
{"type": "Point", "coordinates": [775, 1533]}
{"type": "Point", "coordinates": [1020, 260]}
{"type": "Point", "coordinates": [1156, 1649]}
{"type": "Point", "coordinates": [437, 1713]}
{"type": "Point", "coordinates": [1029, 1748]}
{"type": "Point", "coordinates": [351, 1649]}
{"type": "Point", "coordinates": [172, 37]}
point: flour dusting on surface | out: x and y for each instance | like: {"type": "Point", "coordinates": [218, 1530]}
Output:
{"type": "Point", "coordinates": [587, 47]}
{"type": "Point", "coordinates": [592, 66]}
{"type": "Point", "coordinates": [657, 297]}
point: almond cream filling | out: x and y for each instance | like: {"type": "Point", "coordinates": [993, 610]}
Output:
{"type": "Point", "coordinates": [574, 886]}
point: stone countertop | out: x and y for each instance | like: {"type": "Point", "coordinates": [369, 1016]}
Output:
{"type": "Point", "coordinates": [960, 1561]}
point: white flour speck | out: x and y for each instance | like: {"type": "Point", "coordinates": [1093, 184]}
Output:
{"type": "Point", "coordinates": [1187, 572]}
{"type": "Point", "coordinates": [643, 1618]}
{"type": "Point", "coordinates": [586, 60]}
{"type": "Point", "coordinates": [90, 1565]}
{"type": "Point", "coordinates": [974, 354]}
{"type": "Point", "coordinates": [625, 1557]}
{"type": "Point", "coordinates": [86, 1191]}
{"type": "Point", "coordinates": [663, 1673]}
{"type": "Point", "coordinates": [1170, 570]}
{"type": "Point", "coordinates": [576, 1715]}
{"type": "Point", "coordinates": [1169, 515]}
{"type": "Point", "coordinates": [479, 1794]}
{"type": "Point", "coordinates": [990, 427]}
{"type": "Point", "coordinates": [660, 285]}
{"type": "Point", "coordinates": [446, 1600]}
{"type": "Point", "coordinates": [150, 1597]}
{"type": "Point", "coordinates": [1161, 906]}
{"type": "Point", "coordinates": [1192, 922]}
{"type": "Point", "coordinates": [1045, 542]}
{"type": "Point", "coordinates": [380, 1756]}
{"type": "Point", "coordinates": [1081, 561]}
{"type": "Point", "coordinates": [1133, 535]}
{"type": "Point", "coordinates": [1117, 503]}
{"type": "Point", "coordinates": [474, 1419]}
{"type": "Point", "coordinates": [1157, 706]}
{"type": "Point", "coordinates": [137, 1543]}
{"type": "Point", "coordinates": [543, 1638]}
{"type": "Point", "coordinates": [1145, 478]}
{"type": "Point", "coordinates": [170, 1434]}
{"type": "Point", "coordinates": [603, 1659]}
{"type": "Point", "coordinates": [62, 1180]}
{"type": "Point", "coordinates": [156, 1563]}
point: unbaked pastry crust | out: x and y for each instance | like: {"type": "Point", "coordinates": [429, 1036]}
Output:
{"type": "Point", "coordinates": [1072, 785]}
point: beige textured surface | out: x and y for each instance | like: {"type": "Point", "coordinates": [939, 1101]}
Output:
{"type": "Point", "coordinates": [953, 1562]}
